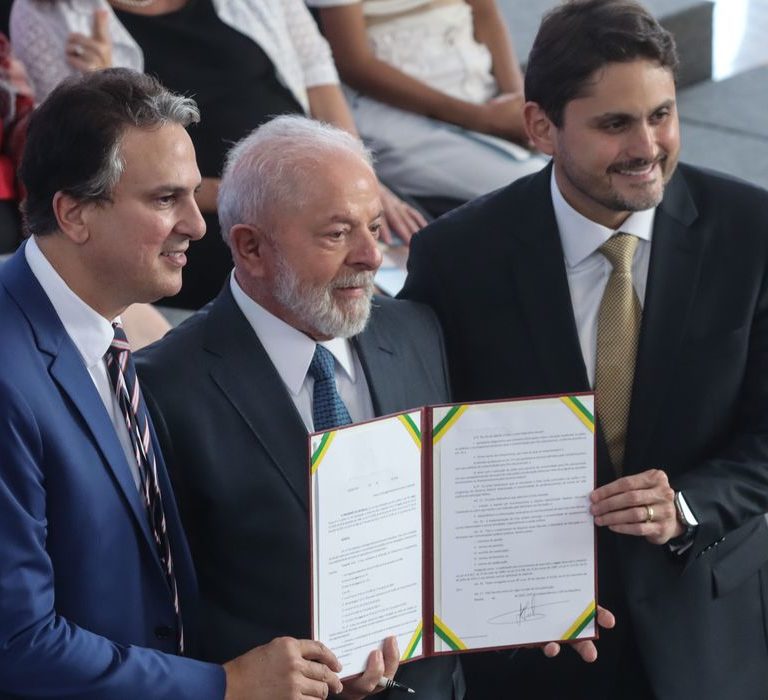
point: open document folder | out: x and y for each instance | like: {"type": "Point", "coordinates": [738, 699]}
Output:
{"type": "Point", "coordinates": [454, 528]}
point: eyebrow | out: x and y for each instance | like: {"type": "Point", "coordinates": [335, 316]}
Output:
{"type": "Point", "coordinates": [626, 115]}
{"type": "Point", "coordinates": [172, 189]}
{"type": "Point", "coordinates": [344, 219]}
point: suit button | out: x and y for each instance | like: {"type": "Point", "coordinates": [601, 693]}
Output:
{"type": "Point", "coordinates": [163, 632]}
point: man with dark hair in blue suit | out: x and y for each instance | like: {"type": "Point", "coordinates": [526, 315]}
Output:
{"type": "Point", "coordinates": [97, 590]}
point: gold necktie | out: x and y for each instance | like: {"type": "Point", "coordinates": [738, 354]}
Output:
{"type": "Point", "coordinates": [618, 328]}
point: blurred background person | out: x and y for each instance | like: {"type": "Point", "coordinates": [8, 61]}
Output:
{"type": "Point", "coordinates": [16, 103]}
{"type": "Point", "coordinates": [244, 61]}
{"type": "Point", "coordinates": [435, 89]}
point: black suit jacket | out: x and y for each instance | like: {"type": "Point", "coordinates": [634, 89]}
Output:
{"type": "Point", "coordinates": [698, 622]}
{"type": "Point", "coordinates": [237, 451]}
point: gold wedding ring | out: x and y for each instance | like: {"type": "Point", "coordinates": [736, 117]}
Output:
{"type": "Point", "coordinates": [649, 514]}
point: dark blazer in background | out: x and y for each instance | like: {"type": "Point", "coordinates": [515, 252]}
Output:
{"type": "Point", "coordinates": [697, 622]}
{"type": "Point", "coordinates": [84, 602]}
{"type": "Point", "coordinates": [237, 452]}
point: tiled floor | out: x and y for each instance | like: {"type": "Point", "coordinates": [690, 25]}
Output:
{"type": "Point", "coordinates": [740, 36]}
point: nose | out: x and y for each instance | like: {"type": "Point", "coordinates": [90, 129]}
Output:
{"type": "Point", "coordinates": [643, 142]}
{"type": "Point", "coordinates": [192, 223]}
{"type": "Point", "coordinates": [365, 253]}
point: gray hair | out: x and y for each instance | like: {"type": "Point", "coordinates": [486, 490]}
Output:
{"type": "Point", "coordinates": [75, 136]}
{"type": "Point", "coordinates": [266, 170]}
{"type": "Point", "coordinates": [155, 111]}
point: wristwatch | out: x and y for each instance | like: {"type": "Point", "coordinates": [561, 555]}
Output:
{"type": "Point", "coordinates": [685, 518]}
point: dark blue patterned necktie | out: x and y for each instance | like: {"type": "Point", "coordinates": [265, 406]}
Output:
{"type": "Point", "coordinates": [328, 410]}
{"type": "Point", "coordinates": [122, 374]}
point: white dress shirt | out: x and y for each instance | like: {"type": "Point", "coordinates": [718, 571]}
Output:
{"type": "Point", "coordinates": [291, 353]}
{"type": "Point", "coordinates": [588, 270]}
{"type": "Point", "coordinates": [91, 334]}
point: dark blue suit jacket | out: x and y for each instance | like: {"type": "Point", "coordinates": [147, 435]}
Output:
{"type": "Point", "coordinates": [85, 611]}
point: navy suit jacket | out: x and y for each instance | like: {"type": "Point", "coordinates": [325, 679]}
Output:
{"type": "Point", "coordinates": [698, 622]}
{"type": "Point", "coordinates": [237, 452]}
{"type": "Point", "coordinates": [85, 610]}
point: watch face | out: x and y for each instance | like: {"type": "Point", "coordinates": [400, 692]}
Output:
{"type": "Point", "coordinates": [681, 516]}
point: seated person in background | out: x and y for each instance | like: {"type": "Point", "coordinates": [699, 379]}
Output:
{"type": "Point", "coordinates": [16, 103]}
{"type": "Point", "coordinates": [5, 16]}
{"type": "Point", "coordinates": [244, 61]}
{"type": "Point", "coordinates": [436, 91]}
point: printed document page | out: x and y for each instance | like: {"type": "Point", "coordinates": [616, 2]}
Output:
{"type": "Point", "coordinates": [514, 540]}
{"type": "Point", "coordinates": [367, 538]}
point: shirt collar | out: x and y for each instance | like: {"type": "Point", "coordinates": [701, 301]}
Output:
{"type": "Point", "coordinates": [289, 349]}
{"type": "Point", "coordinates": [581, 236]}
{"type": "Point", "coordinates": [91, 333]}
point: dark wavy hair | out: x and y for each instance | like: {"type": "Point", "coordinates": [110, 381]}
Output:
{"type": "Point", "coordinates": [579, 37]}
{"type": "Point", "coordinates": [74, 137]}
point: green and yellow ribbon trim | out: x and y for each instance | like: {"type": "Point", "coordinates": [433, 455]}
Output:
{"type": "Point", "coordinates": [412, 428]}
{"type": "Point", "coordinates": [580, 411]}
{"type": "Point", "coordinates": [448, 635]}
{"type": "Point", "coordinates": [413, 643]}
{"type": "Point", "coordinates": [444, 425]}
{"type": "Point", "coordinates": [322, 448]}
{"type": "Point", "coordinates": [581, 622]}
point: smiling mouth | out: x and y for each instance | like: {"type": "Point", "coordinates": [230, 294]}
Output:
{"type": "Point", "coordinates": [642, 168]}
{"type": "Point", "coordinates": [178, 257]}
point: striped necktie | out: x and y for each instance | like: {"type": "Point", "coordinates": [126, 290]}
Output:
{"type": "Point", "coordinates": [122, 374]}
{"type": "Point", "coordinates": [618, 330]}
{"type": "Point", "coordinates": [328, 410]}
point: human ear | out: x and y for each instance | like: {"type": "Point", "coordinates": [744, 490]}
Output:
{"type": "Point", "coordinates": [248, 245]}
{"type": "Point", "coordinates": [71, 216]}
{"type": "Point", "coordinates": [540, 128]}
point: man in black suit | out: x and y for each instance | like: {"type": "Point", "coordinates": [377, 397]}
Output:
{"type": "Point", "coordinates": [531, 307]}
{"type": "Point", "coordinates": [232, 392]}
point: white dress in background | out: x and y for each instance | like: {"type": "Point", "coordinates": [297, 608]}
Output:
{"type": "Point", "coordinates": [433, 41]}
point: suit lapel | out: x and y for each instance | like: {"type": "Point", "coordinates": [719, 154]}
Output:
{"type": "Point", "coordinates": [70, 374]}
{"type": "Point", "coordinates": [536, 255]}
{"type": "Point", "coordinates": [243, 371]}
{"type": "Point", "coordinates": [673, 278]}
{"type": "Point", "coordinates": [379, 360]}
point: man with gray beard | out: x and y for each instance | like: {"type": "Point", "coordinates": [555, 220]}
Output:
{"type": "Point", "coordinates": [232, 389]}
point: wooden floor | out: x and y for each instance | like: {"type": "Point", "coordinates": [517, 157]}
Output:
{"type": "Point", "coordinates": [740, 36]}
